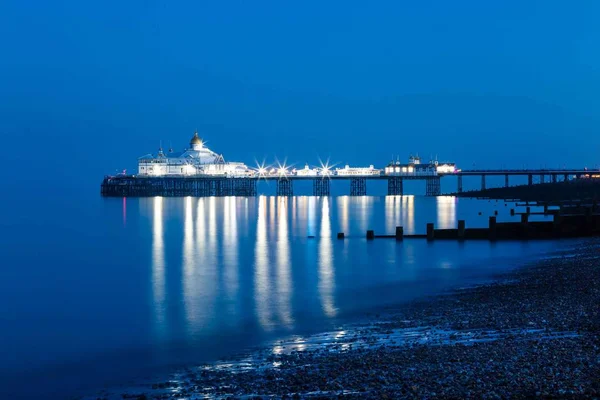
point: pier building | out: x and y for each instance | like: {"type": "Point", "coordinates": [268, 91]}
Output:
{"type": "Point", "coordinates": [415, 167]}
{"type": "Point", "coordinates": [196, 160]}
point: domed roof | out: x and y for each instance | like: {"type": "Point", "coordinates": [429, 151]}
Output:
{"type": "Point", "coordinates": [195, 139]}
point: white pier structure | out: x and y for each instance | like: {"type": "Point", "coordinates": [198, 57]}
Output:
{"type": "Point", "coordinates": [200, 171]}
{"type": "Point", "coordinates": [196, 160]}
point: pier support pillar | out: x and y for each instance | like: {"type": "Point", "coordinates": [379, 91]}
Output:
{"type": "Point", "coordinates": [554, 178]}
{"type": "Point", "coordinates": [542, 178]}
{"type": "Point", "coordinates": [432, 186]}
{"type": "Point", "coordinates": [566, 177]}
{"type": "Point", "coordinates": [482, 182]}
{"type": "Point", "coordinates": [321, 187]}
{"type": "Point", "coordinates": [395, 186]}
{"type": "Point", "coordinates": [530, 179]}
{"type": "Point", "coordinates": [358, 187]}
{"type": "Point", "coordinates": [285, 187]}
{"type": "Point", "coordinates": [506, 180]}
{"type": "Point", "coordinates": [244, 187]}
{"type": "Point", "coordinates": [459, 184]}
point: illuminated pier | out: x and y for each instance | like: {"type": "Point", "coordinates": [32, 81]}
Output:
{"type": "Point", "coordinates": [199, 171]}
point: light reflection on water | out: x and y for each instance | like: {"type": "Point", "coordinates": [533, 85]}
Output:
{"type": "Point", "coordinates": [272, 262]}
{"type": "Point", "coordinates": [326, 271]}
{"type": "Point", "coordinates": [158, 264]}
{"type": "Point", "coordinates": [177, 280]}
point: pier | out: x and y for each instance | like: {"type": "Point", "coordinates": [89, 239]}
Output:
{"type": "Point", "coordinates": [207, 185]}
{"type": "Point", "coordinates": [199, 171]}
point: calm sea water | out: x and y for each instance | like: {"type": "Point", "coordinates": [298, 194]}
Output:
{"type": "Point", "coordinates": [99, 292]}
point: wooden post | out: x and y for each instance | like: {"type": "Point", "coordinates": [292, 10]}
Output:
{"type": "Point", "coordinates": [461, 229]}
{"type": "Point", "coordinates": [430, 231]}
{"type": "Point", "coordinates": [525, 225]}
{"type": "Point", "coordinates": [340, 235]}
{"type": "Point", "coordinates": [399, 233]}
{"type": "Point", "coordinates": [370, 235]}
{"type": "Point", "coordinates": [492, 228]}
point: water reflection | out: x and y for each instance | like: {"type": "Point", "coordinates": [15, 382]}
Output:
{"type": "Point", "coordinates": [189, 261]}
{"type": "Point", "coordinates": [446, 212]}
{"type": "Point", "coordinates": [216, 287]}
{"type": "Point", "coordinates": [230, 250]}
{"type": "Point", "coordinates": [344, 214]}
{"type": "Point", "coordinates": [158, 263]}
{"type": "Point", "coordinates": [392, 215]}
{"type": "Point", "coordinates": [124, 211]}
{"type": "Point", "coordinates": [326, 272]}
{"type": "Point", "coordinates": [284, 286]}
{"type": "Point", "coordinates": [261, 267]}
{"type": "Point", "coordinates": [408, 213]}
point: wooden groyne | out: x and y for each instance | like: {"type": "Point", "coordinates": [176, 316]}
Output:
{"type": "Point", "coordinates": [562, 226]}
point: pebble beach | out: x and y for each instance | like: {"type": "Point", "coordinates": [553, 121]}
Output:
{"type": "Point", "coordinates": [533, 332]}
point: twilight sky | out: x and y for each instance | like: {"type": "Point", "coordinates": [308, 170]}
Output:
{"type": "Point", "coordinates": [490, 83]}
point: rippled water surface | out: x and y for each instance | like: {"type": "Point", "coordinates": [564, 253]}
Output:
{"type": "Point", "coordinates": [100, 291]}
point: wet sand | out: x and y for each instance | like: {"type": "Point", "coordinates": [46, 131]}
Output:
{"type": "Point", "coordinates": [532, 333]}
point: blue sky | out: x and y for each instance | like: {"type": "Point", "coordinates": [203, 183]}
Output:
{"type": "Point", "coordinates": [506, 83]}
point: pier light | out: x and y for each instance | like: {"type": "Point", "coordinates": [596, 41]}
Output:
{"type": "Point", "coordinates": [404, 169]}
{"type": "Point", "coordinates": [397, 169]}
{"type": "Point", "coordinates": [445, 169]}
{"type": "Point", "coordinates": [262, 171]}
{"type": "Point", "coordinates": [411, 170]}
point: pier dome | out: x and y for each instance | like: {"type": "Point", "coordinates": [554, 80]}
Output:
{"type": "Point", "coordinates": [196, 142]}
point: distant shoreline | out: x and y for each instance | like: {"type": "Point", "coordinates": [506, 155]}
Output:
{"type": "Point", "coordinates": [531, 333]}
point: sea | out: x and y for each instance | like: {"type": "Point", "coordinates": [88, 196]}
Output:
{"type": "Point", "coordinates": [105, 292]}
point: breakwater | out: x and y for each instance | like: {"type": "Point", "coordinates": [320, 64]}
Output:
{"type": "Point", "coordinates": [562, 226]}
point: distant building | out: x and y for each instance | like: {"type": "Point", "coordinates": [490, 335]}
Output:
{"type": "Point", "coordinates": [197, 160]}
{"type": "Point", "coordinates": [415, 168]}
